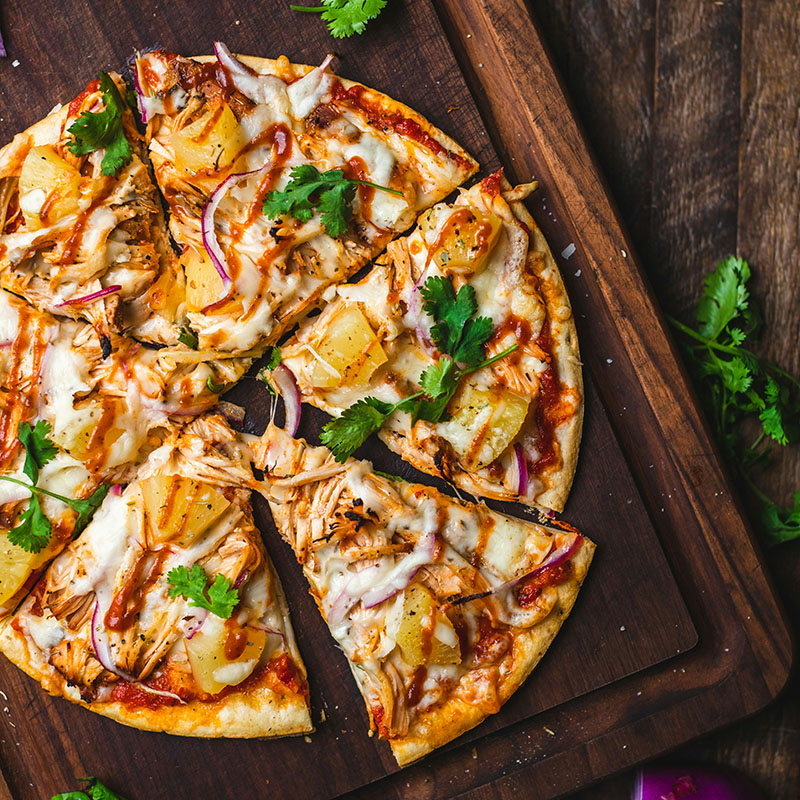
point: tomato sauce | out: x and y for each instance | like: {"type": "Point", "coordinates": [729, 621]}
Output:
{"type": "Point", "coordinates": [378, 117]}
{"type": "Point", "coordinates": [530, 589]}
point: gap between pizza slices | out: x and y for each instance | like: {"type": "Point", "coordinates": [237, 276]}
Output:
{"type": "Point", "coordinates": [223, 135]}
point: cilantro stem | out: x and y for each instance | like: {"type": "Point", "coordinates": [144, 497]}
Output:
{"type": "Point", "coordinates": [308, 9]}
{"type": "Point", "coordinates": [734, 351]}
{"type": "Point", "coordinates": [39, 490]}
{"type": "Point", "coordinates": [378, 186]}
{"type": "Point", "coordinates": [491, 360]}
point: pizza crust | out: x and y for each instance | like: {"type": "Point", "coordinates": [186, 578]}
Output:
{"type": "Point", "coordinates": [259, 712]}
{"type": "Point", "coordinates": [446, 722]}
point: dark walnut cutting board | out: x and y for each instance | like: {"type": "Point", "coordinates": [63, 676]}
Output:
{"type": "Point", "coordinates": [676, 630]}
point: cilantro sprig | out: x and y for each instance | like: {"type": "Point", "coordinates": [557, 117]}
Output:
{"type": "Point", "coordinates": [739, 386]}
{"type": "Point", "coordinates": [94, 790]}
{"type": "Point", "coordinates": [273, 360]}
{"type": "Point", "coordinates": [98, 130]}
{"type": "Point", "coordinates": [309, 189]}
{"type": "Point", "coordinates": [219, 599]}
{"type": "Point", "coordinates": [33, 529]}
{"type": "Point", "coordinates": [345, 17]}
{"type": "Point", "coordinates": [461, 340]}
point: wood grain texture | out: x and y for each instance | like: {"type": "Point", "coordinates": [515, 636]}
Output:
{"type": "Point", "coordinates": [765, 230]}
{"type": "Point", "coordinates": [648, 444]}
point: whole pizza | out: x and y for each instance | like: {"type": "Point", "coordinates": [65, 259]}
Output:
{"type": "Point", "coordinates": [237, 217]}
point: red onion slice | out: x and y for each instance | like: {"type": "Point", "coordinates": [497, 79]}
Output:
{"type": "Point", "coordinates": [245, 79]}
{"type": "Point", "coordinates": [3, 52]}
{"type": "Point", "coordinates": [416, 315]}
{"type": "Point", "coordinates": [194, 623]}
{"type": "Point", "coordinates": [287, 385]}
{"type": "Point", "coordinates": [233, 414]}
{"type": "Point", "coordinates": [673, 783]}
{"type": "Point", "coordinates": [522, 470]}
{"type": "Point", "coordinates": [76, 301]}
{"type": "Point", "coordinates": [102, 648]}
{"type": "Point", "coordinates": [147, 107]}
{"type": "Point", "coordinates": [210, 241]}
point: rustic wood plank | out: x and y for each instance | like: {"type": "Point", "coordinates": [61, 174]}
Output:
{"type": "Point", "coordinates": [605, 51]}
{"type": "Point", "coordinates": [695, 144]}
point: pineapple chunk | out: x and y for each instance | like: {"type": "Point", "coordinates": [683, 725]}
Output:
{"type": "Point", "coordinates": [212, 669]}
{"type": "Point", "coordinates": [426, 635]}
{"type": "Point", "coordinates": [16, 565]}
{"type": "Point", "coordinates": [49, 188]}
{"type": "Point", "coordinates": [180, 509]}
{"type": "Point", "coordinates": [484, 423]}
{"type": "Point", "coordinates": [210, 143]}
{"type": "Point", "coordinates": [203, 283]}
{"type": "Point", "coordinates": [465, 240]}
{"type": "Point", "coordinates": [75, 430]}
{"type": "Point", "coordinates": [349, 349]}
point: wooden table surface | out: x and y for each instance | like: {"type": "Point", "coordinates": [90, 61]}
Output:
{"type": "Point", "coordinates": [693, 108]}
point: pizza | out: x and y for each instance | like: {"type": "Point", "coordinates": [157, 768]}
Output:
{"type": "Point", "coordinates": [442, 607]}
{"type": "Point", "coordinates": [166, 613]}
{"type": "Point", "coordinates": [99, 417]}
{"type": "Point", "coordinates": [82, 235]}
{"type": "Point", "coordinates": [512, 428]}
{"type": "Point", "coordinates": [133, 578]}
{"type": "Point", "coordinates": [224, 132]}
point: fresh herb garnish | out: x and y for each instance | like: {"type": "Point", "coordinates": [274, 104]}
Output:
{"type": "Point", "coordinates": [220, 599]}
{"type": "Point", "coordinates": [94, 790]}
{"type": "Point", "coordinates": [214, 388]}
{"type": "Point", "coordinates": [461, 339]}
{"type": "Point", "coordinates": [187, 337]}
{"type": "Point", "coordinates": [388, 475]}
{"type": "Point", "coordinates": [739, 386]}
{"type": "Point", "coordinates": [345, 17]}
{"type": "Point", "coordinates": [273, 360]}
{"type": "Point", "coordinates": [97, 130]}
{"type": "Point", "coordinates": [33, 529]}
{"type": "Point", "coordinates": [309, 189]}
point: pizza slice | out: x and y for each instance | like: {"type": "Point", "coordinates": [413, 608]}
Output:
{"type": "Point", "coordinates": [72, 421]}
{"type": "Point", "coordinates": [460, 345]}
{"type": "Point", "coordinates": [281, 180]}
{"type": "Point", "coordinates": [165, 613]}
{"type": "Point", "coordinates": [442, 607]}
{"type": "Point", "coordinates": [82, 233]}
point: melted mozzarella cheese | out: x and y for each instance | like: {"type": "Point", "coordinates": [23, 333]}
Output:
{"type": "Point", "coordinates": [308, 92]}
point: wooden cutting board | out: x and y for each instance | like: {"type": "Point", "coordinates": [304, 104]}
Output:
{"type": "Point", "coordinates": [676, 630]}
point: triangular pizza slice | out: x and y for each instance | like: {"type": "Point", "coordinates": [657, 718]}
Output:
{"type": "Point", "coordinates": [82, 233]}
{"type": "Point", "coordinates": [165, 613]}
{"type": "Point", "coordinates": [442, 607]}
{"type": "Point", "coordinates": [460, 345]}
{"type": "Point", "coordinates": [270, 171]}
{"type": "Point", "coordinates": [84, 421]}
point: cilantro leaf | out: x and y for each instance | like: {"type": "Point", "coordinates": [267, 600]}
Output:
{"type": "Point", "coordinates": [309, 189]}
{"type": "Point", "coordinates": [191, 584]}
{"type": "Point", "coordinates": [39, 450]}
{"type": "Point", "coordinates": [739, 388]}
{"type": "Point", "coordinates": [33, 529]}
{"type": "Point", "coordinates": [345, 434]}
{"type": "Point", "coordinates": [781, 525]}
{"type": "Point", "coordinates": [345, 17]}
{"type": "Point", "coordinates": [86, 506]}
{"type": "Point", "coordinates": [274, 358]}
{"type": "Point", "coordinates": [187, 337]}
{"type": "Point", "coordinates": [94, 790]}
{"type": "Point", "coordinates": [460, 338]}
{"type": "Point", "coordinates": [724, 297]}
{"type": "Point", "coordinates": [98, 130]}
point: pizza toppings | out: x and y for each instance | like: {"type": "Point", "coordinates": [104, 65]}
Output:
{"type": "Point", "coordinates": [330, 192]}
{"type": "Point", "coordinates": [219, 598]}
{"type": "Point", "coordinates": [460, 339]}
{"type": "Point", "coordinates": [33, 529]}
{"type": "Point", "coordinates": [103, 130]}
{"type": "Point", "coordinates": [419, 590]}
